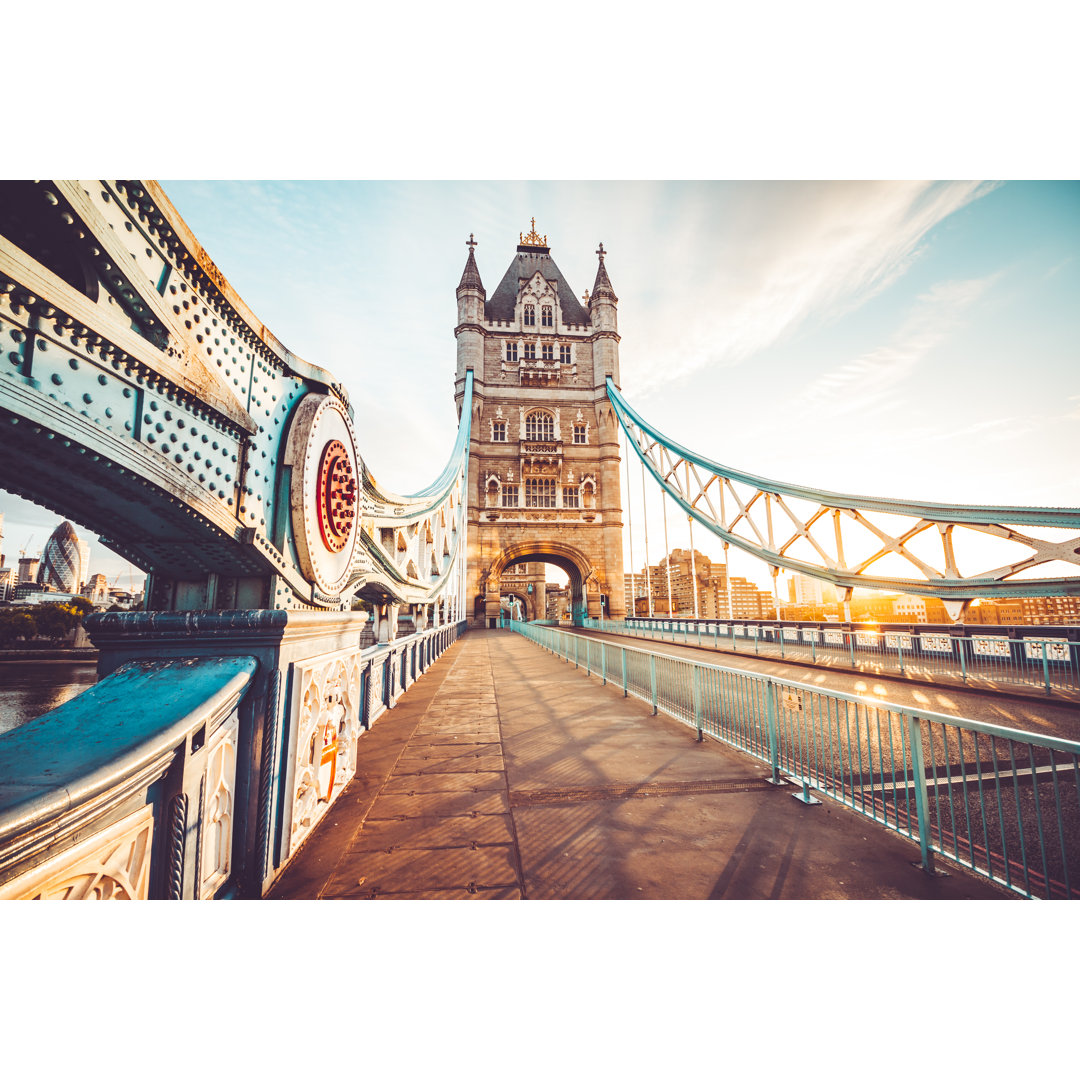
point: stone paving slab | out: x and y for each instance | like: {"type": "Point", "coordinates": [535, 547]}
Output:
{"type": "Point", "coordinates": [474, 762]}
{"type": "Point", "coordinates": [449, 759]}
{"type": "Point", "coordinates": [441, 804]}
{"type": "Point", "coordinates": [437, 868]}
{"type": "Point", "coordinates": [593, 798]}
{"type": "Point", "coordinates": [461, 742]}
{"type": "Point", "coordinates": [511, 893]}
{"type": "Point", "coordinates": [428, 783]}
{"type": "Point", "coordinates": [434, 832]}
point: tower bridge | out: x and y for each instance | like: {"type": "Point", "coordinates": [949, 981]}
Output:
{"type": "Point", "coordinates": [141, 398]}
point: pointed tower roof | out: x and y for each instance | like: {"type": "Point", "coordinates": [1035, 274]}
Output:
{"type": "Point", "coordinates": [533, 255]}
{"type": "Point", "coordinates": [470, 278]}
{"type": "Point", "coordinates": [602, 288]}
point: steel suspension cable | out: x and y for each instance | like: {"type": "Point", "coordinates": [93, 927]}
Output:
{"type": "Point", "coordinates": [630, 531]}
{"type": "Point", "coordinates": [667, 555]}
{"type": "Point", "coordinates": [645, 512]}
{"type": "Point", "coordinates": [693, 564]}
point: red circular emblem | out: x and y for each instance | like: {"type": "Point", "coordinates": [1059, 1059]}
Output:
{"type": "Point", "coordinates": [337, 495]}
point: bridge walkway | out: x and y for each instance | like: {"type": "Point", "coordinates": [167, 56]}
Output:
{"type": "Point", "coordinates": [506, 774]}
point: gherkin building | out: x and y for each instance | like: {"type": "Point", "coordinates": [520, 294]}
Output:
{"type": "Point", "coordinates": [63, 562]}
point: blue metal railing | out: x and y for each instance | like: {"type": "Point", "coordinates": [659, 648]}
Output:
{"type": "Point", "coordinates": [1001, 802]}
{"type": "Point", "coordinates": [1041, 659]}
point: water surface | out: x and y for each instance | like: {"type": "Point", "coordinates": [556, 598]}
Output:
{"type": "Point", "coordinates": [29, 688]}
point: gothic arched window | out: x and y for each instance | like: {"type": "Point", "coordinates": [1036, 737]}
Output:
{"type": "Point", "coordinates": [545, 315]}
{"type": "Point", "coordinates": [530, 314]}
{"type": "Point", "coordinates": [539, 426]}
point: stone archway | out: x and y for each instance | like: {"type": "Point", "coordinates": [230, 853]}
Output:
{"type": "Point", "coordinates": [584, 587]}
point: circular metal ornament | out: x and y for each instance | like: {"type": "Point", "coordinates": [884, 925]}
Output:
{"type": "Point", "coordinates": [325, 492]}
{"type": "Point", "coordinates": [337, 495]}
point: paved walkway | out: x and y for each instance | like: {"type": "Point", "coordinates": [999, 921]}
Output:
{"type": "Point", "coordinates": [504, 773]}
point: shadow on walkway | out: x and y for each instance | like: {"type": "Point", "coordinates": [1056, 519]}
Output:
{"type": "Point", "coordinates": [505, 773]}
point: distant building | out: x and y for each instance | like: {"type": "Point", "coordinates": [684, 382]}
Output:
{"type": "Point", "coordinates": [558, 602]}
{"type": "Point", "coordinates": [810, 591]}
{"type": "Point", "coordinates": [525, 581]}
{"type": "Point", "coordinates": [64, 560]}
{"type": "Point", "coordinates": [911, 609]}
{"type": "Point", "coordinates": [29, 592]}
{"type": "Point", "coordinates": [689, 572]}
{"type": "Point", "coordinates": [1050, 610]}
{"type": "Point", "coordinates": [28, 569]}
{"type": "Point", "coordinates": [96, 590]}
{"type": "Point", "coordinates": [7, 582]}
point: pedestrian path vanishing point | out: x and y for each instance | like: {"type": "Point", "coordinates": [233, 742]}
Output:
{"type": "Point", "coordinates": [506, 773]}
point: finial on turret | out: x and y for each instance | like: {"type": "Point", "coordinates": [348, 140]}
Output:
{"type": "Point", "coordinates": [534, 239]}
{"type": "Point", "coordinates": [470, 243]}
{"type": "Point", "coordinates": [600, 251]}
{"type": "Point", "coordinates": [585, 297]}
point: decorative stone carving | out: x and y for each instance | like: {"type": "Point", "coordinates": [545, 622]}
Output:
{"type": "Point", "coordinates": [111, 865]}
{"type": "Point", "coordinates": [218, 809]}
{"type": "Point", "coordinates": [325, 712]}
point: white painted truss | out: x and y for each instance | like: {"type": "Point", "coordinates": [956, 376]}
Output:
{"type": "Point", "coordinates": [411, 546]}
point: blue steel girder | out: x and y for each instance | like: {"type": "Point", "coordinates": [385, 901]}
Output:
{"type": "Point", "coordinates": [140, 397]}
{"type": "Point", "coordinates": [706, 490]}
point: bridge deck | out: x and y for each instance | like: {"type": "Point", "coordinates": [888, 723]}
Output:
{"type": "Point", "coordinates": [506, 774]}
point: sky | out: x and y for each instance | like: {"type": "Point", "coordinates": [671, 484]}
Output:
{"type": "Point", "coordinates": [915, 339]}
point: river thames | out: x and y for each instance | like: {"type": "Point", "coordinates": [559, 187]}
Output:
{"type": "Point", "coordinates": [29, 688]}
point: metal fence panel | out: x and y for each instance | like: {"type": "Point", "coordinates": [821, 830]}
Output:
{"type": "Point", "coordinates": [1003, 803]}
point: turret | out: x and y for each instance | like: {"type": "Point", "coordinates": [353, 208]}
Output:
{"type": "Point", "coordinates": [470, 313]}
{"type": "Point", "coordinates": [603, 313]}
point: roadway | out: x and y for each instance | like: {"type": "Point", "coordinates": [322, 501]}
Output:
{"type": "Point", "coordinates": [1021, 711]}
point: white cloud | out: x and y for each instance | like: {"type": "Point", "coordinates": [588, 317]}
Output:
{"type": "Point", "coordinates": [782, 255]}
{"type": "Point", "coordinates": [870, 380]}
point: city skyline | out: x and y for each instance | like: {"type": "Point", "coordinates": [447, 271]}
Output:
{"type": "Point", "coordinates": [908, 339]}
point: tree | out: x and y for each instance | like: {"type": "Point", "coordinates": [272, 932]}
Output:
{"type": "Point", "coordinates": [54, 621]}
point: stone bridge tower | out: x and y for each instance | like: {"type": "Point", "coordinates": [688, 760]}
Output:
{"type": "Point", "coordinates": [544, 454]}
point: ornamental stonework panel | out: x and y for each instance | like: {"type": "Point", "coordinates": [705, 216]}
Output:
{"type": "Point", "coordinates": [215, 862]}
{"type": "Point", "coordinates": [325, 710]}
{"type": "Point", "coordinates": [111, 865]}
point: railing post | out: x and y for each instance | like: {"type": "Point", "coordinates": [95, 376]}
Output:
{"type": "Point", "coordinates": [781, 643]}
{"type": "Point", "coordinates": [900, 653]}
{"type": "Point", "coordinates": [963, 659]}
{"type": "Point", "coordinates": [699, 711]}
{"type": "Point", "coordinates": [652, 680]}
{"type": "Point", "coordinates": [922, 807]}
{"type": "Point", "coordinates": [625, 684]}
{"type": "Point", "coordinates": [603, 664]}
{"type": "Point", "coordinates": [774, 740]}
{"type": "Point", "coordinates": [813, 651]}
{"type": "Point", "coordinates": [851, 645]}
{"type": "Point", "coordinates": [588, 657]}
{"type": "Point", "coordinates": [1046, 669]}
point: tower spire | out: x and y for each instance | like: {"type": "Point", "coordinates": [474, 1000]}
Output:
{"type": "Point", "coordinates": [470, 278]}
{"type": "Point", "coordinates": [602, 288]}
